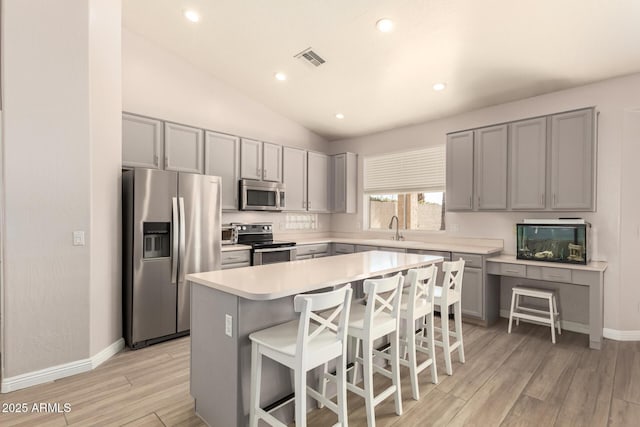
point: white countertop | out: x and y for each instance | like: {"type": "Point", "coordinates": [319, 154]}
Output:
{"type": "Point", "coordinates": [272, 281]}
{"type": "Point", "coordinates": [406, 244]}
{"type": "Point", "coordinates": [511, 259]}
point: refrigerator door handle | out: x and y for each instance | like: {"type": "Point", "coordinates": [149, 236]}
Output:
{"type": "Point", "coordinates": [174, 241]}
{"type": "Point", "coordinates": [182, 239]}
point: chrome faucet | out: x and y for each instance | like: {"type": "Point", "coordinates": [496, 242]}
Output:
{"type": "Point", "coordinates": [398, 236]}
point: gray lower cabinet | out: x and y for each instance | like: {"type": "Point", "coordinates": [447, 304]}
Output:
{"type": "Point", "coordinates": [445, 255]}
{"type": "Point", "coordinates": [141, 142]}
{"type": "Point", "coordinates": [459, 183]}
{"type": "Point", "coordinates": [312, 251]}
{"type": "Point", "coordinates": [572, 160]}
{"type": "Point", "coordinates": [390, 249]}
{"type": "Point", "coordinates": [235, 259]}
{"type": "Point", "coordinates": [480, 292]}
{"type": "Point", "coordinates": [528, 163]}
{"type": "Point", "coordinates": [183, 148]}
{"type": "Point", "coordinates": [222, 158]}
{"type": "Point", "coordinates": [342, 248]}
{"type": "Point", "coordinates": [491, 167]}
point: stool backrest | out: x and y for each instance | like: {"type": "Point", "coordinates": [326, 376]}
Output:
{"type": "Point", "coordinates": [336, 321]}
{"type": "Point", "coordinates": [422, 282]}
{"type": "Point", "coordinates": [379, 304]}
{"type": "Point", "coordinates": [453, 272]}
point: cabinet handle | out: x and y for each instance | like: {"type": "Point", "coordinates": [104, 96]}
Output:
{"type": "Point", "coordinates": [542, 199]}
{"type": "Point", "coordinates": [470, 201]}
{"type": "Point", "coordinates": [555, 200]}
{"type": "Point", "coordinates": [478, 201]}
{"type": "Point", "coordinates": [264, 173]}
{"type": "Point", "coordinates": [512, 271]}
{"type": "Point", "coordinates": [166, 162]}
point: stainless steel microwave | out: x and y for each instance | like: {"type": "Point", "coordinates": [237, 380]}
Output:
{"type": "Point", "coordinates": [261, 195]}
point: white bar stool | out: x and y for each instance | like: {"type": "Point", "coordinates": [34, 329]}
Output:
{"type": "Point", "coordinates": [447, 295]}
{"type": "Point", "coordinates": [380, 317]}
{"type": "Point", "coordinates": [303, 345]}
{"type": "Point", "coordinates": [419, 307]}
{"type": "Point", "coordinates": [550, 317]}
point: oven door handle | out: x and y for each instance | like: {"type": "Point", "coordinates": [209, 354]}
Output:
{"type": "Point", "coordinates": [281, 249]}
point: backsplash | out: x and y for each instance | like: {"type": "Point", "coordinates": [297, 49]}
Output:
{"type": "Point", "coordinates": [283, 222]}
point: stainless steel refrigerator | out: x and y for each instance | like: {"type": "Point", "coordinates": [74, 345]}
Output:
{"type": "Point", "coordinates": [171, 227]}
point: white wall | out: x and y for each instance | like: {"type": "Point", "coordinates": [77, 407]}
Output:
{"type": "Point", "coordinates": [611, 98]}
{"type": "Point", "coordinates": [158, 83]}
{"type": "Point", "coordinates": [57, 128]}
{"type": "Point", "coordinates": [106, 159]}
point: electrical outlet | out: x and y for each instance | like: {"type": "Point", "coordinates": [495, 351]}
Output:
{"type": "Point", "coordinates": [78, 238]}
{"type": "Point", "coordinates": [228, 325]}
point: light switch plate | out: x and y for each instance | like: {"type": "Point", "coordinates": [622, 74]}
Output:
{"type": "Point", "coordinates": [78, 238]}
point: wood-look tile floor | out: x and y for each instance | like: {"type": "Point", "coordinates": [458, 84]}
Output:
{"type": "Point", "coordinates": [519, 379]}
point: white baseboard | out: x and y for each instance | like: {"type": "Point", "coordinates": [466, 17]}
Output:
{"type": "Point", "coordinates": [614, 334]}
{"type": "Point", "coordinates": [580, 328]}
{"type": "Point", "coordinates": [107, 353]}
{"type": "Point", "coordinates": [61, 371]}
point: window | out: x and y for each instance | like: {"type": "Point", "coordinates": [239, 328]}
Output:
{"type": "Point", "coordinates": [409, 185]}
{"type": "Point", "coordinates": [415, 211]}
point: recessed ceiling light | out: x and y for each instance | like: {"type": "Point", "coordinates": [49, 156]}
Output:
{"type": "Point", "coordinates": [280, 76]}
{"type": "Point", "coordinates": [439, 86]}
{"type": "Point", "coordinates": [339, 116]}
{"type": "Point", "coordinates": [191, 15]}
{"type": "Point", "coordinates": [384, 25]}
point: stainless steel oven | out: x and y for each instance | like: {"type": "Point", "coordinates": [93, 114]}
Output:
{"type": "Point", "coordinates": [264, 250]}
{"type": "Point", "coordinates": [261, 196]}
{"type": "Point", "coordinates": [262, 256]}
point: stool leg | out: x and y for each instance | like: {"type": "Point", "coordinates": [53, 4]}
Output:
{"type": "Point", "coordinates": [513, 301]}
{"type": "Point", "coordinates": [367, 367]}
{"type": "Point", "coordinates": [411, 346]}
{"type": "Point", "coordinates": [552, 318]}
{"type": "Point", "coordinates": [557, 314]}
{"type": "Point", "coordinates": [354, 375]}
{"type": "Point", "coordinates": [323, 384]}
{"type": "Point", "coordinates": [341, 374]}
{"type": "Point", "coordinates": [301, 396]}
{"type": "Point", "coordinates": [444, 316]}
{"type": "Point", "coordinates": [395, 369]}
{"type": "Point", "coordinates": [457, 314]}
{"type": "Point", "coordinates": [517, 307]}
{"type": "Point", "coordinates": [256, 372]}
{"type": "Point", "coordinates": [431, 346]}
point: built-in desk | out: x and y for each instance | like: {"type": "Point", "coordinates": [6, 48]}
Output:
{"type": "Point", "coordinates": [228, 305]}
{"type": "Point", "coordinates": [590, 275]}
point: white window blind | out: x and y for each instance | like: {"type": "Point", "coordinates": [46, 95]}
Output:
{"type": "Point", "coordinates": [420, 170]}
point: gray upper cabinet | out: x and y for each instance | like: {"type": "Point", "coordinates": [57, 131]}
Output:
{"type": "Point", "coordinates": [261, 161]}
{"type": "Point", "coordinates": [251, 159]}
{"type": "Point", "coordinates": [459, 191]}
{"type": "Point", "coordinates": [141, 142]}
{"type": "Point", "coordinates": [344, 178]}
{"type": "Point", "coordinates": [272, 162]}
{"type": "Point", "coordinates": [183, 148]}
{"type": "Point", "coordinates": [222, 158]}
{"type": "Point", "coordinates": [528, 162]}
{"type": "Point", "coordinates": [294, 174]}
{"type": "Point", "coordinates": [491, 167]}
{"type": "Point", "coordinates": [317, 182]}
{"type": "Point", "coordinates": [572, 160]}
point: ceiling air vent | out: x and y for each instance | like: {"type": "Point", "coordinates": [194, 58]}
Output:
{"type": "Point", "coordinates": [311, 57]}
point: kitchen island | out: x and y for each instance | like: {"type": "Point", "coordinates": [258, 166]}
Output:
{"type": "Point", "coordinates": [227, 306]}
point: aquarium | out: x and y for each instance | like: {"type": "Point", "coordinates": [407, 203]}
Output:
{"type": "Point", "coordinates": [564, 241]}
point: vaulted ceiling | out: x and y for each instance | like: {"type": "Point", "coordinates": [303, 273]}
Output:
{"type": "Point", "coordinates": [486, 52]}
